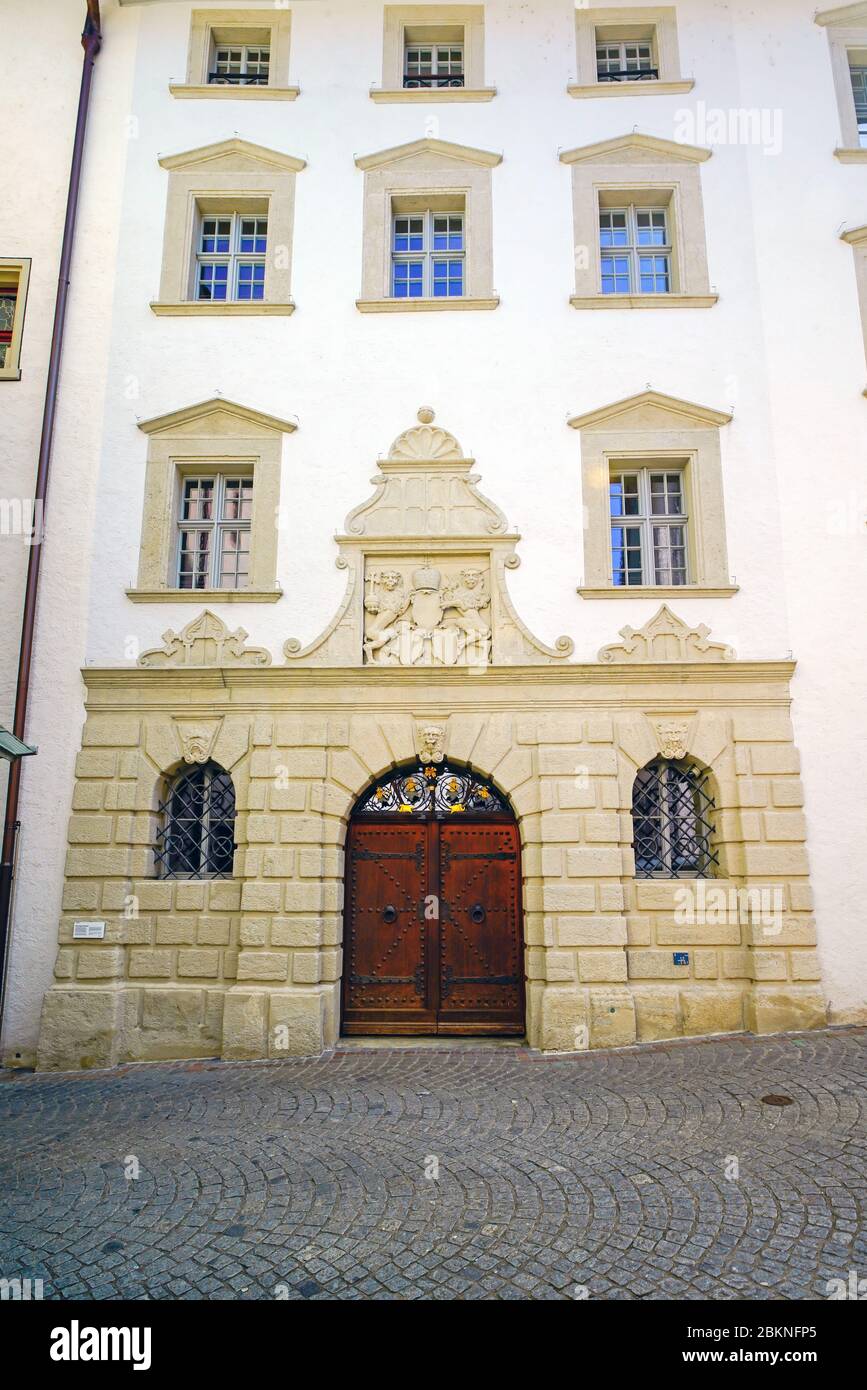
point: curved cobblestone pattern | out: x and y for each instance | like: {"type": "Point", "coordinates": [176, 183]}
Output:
{"type": "Point", "coordinates": [604, 1173]}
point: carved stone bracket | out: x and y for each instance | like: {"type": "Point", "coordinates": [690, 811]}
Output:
{"type": "Point", "coordinates": [427, 556]}
{"type": "Point", "coordinates": [665, 637]}
{"type": "Point", "coordinates": [205, 641]}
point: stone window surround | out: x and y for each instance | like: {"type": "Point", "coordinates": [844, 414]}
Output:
{"type": "Point", "coordinates": [218, 436]}
{"type": "Point", "coordinates": [637, 431]}
{"type": "Point", "coordinates": [662, 19]}
{"type": "Point", "coordinates": [398, 18]}
{"type": "Point", "coordinates": [846, 27]}
{"type": "Point", "coordinates": [857, 239]}
{"type": "Point", "coordinates": [416, 174]}
{"type": "Point", "coordinates": [205, 24]}
{"type": "Point", "coordinates": [230, 176]}
{"type": "Point", "coordinates": [644, 169]}
{"type": "Point", "coordinates": [15, 268]}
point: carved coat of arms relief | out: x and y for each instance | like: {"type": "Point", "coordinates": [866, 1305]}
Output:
{"type": "Point", "coordinates": [426, 618]}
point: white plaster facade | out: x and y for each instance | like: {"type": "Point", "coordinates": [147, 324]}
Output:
{"type": "Point", "coordinates": [782, 350]}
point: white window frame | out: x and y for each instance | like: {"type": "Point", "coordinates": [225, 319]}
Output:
{"type": "Point", "coordinates": [239, 78]}
{"type": "Point", "coordinates": [428, 255]}
{"type": "Point", "coordinates": [633, 252]}
{"type": "Point", "coordinates": [234, 258]}
{"type": "Point", "coordinates": [215, 527]}
{"type": "Point", "coordinates": [649, 73]}
{"type": "Point", "coordinates": [439, 68]}
{"type": "Point", "coordinates": [646, 521]}
{"type": "Point", "coordinates": [860, 69]}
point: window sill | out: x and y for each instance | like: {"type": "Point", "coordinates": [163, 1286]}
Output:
{"type": "Point", "coordinates": [205, 309]}
{"type": "Point", "coordinates": [851, 156]}
{"type": "Point", "coordinates": [676, 87]}
{"type": "Point", "coordinates": [10, 373]}
{"type": "Point", "coordinates": [643, 301]}
{"type": "Point", "coordinates": [426, 95]}
{"type": "Point", "coordinates": [418, 306]}
{"type": "Point", "coordinates": [660, 591]}
{"type": "Point", "coordinates": [204, 596]}
{"type": "Point", "coordinates": [228, 92]}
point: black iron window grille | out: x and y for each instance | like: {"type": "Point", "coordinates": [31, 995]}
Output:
{"type": "Point", "coordinates": [196, 834]}
{"type": "Point", "coordinates": [672, 817]}
{"type": "Point", "coordinates": [628, 75]}
{"type": "Point", "coordinates": [431, 789]}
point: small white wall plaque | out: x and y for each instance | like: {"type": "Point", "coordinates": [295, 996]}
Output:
{"type": "Point", "coordinates": [89, 931]}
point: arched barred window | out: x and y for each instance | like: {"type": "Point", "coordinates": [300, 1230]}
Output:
{"type": "Point", "coordinates": [672, 820]}
{"type": "Point", "coordinates": [196, 833]}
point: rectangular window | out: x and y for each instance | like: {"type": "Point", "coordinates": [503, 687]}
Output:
{"type": "Point", "coordinates": [649, 522]}
{"type": "Point", "coordinates": [8, 309]}
{"type": "Point", "coordinates": [859, 92]}
{"type": "Point", "coordinates": [635, 250]}
{"type": "Point", "coordinates": [230, 260]}
{"type": "Point", "coordinates": [14, 276]}
{"type": "Point", "coordinates": [428, 253]}
{"type": "Point", "coordinates": [433, 65]}
{"type": "Point", "coordinates": [240, 65]}
{"type": "Point", "coordinates": [214, 532]}
{"type": "Point", "coordinates": [625, 62]}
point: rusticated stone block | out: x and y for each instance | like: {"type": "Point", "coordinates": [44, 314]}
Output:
{"type": "Point", "coordinates": [200, 965]}
{"type": "Point", "coordinates": [263, 965]}
{"type": "Point", "coordinates": [296, 1023]}
{"type": "Point", "coordinates": [213, 931]}
{"type": "Point", "coordinates": [601, 965]}
{"type": "Point", "coordinates": [189, 897]}
{"type": "Point", "coordinates": [306, 967]}
{"type": "Point", "coordinates": [563, 1019]}
{"type": "Point", "coordinates": [245, 1024]}
{"type": "Point", "coordinates": [654, 965]}
{"type": "Point", "coordinates": [711, 1009]}
{"type": "Point", "coordinates": [782, 1009]}
{"type": "Point", "coordinates": [657, 1012]}
{"type": "Point", "coordinates": [105, 963]}
{"type": "Point", "coordinates": [261, 897]}
{"type": "Point", "coordinates": [612, 1017]}
{"type": "Point", "coordinates": [804, 965]}
{"type": "Point", "coordinates": [296, 931]}
{"type": "Point", "coordinates": [79, 1029]}
{"type": "Point", "coordinates": [176, 931]}
{"type": "Point", "coordinates": [151, 964]}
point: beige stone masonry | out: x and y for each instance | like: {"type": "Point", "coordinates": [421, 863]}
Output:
{"type": "Point", "coordinates": [251, 966]}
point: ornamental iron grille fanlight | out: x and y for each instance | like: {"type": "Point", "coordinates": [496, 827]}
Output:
{"type": "Point", "coordinates": [196, 835]}
{"type": "Point", "coordinates": [672, 817]}
{"type": "Point", "coordinates": [432, 790]}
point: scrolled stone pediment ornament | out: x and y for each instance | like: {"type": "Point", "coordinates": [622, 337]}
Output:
{"type": "Point", "coordinates": [205, 641]}
{"type": "Point", "coordinates": [665, 637]}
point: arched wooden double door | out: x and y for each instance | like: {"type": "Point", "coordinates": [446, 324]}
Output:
{"type": "Point", "coordinates": [433, 940]}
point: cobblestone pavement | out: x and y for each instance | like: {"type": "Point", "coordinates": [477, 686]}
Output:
{"type": "Point", "coordinates": [606, 1171]}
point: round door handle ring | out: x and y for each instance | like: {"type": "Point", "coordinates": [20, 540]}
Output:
{"type": "Point", "coordinates": [477, 913]}
{"type": "Point", "coordinates": [389, 914]}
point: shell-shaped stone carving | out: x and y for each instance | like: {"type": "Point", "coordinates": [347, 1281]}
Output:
{"type": "Point", "coordinates": [426, 442]}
